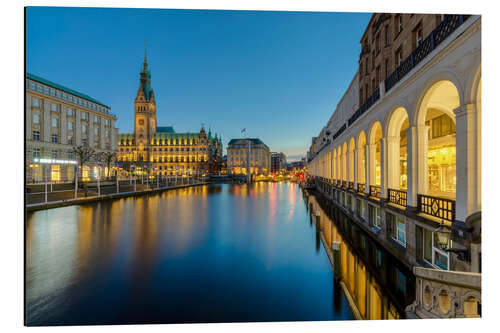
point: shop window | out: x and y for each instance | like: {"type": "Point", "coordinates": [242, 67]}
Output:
{"type": "Point", "coordinates": [55, 172]}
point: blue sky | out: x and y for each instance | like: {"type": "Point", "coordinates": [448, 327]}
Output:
{"type": "Point", "coordinates": [277, 74]}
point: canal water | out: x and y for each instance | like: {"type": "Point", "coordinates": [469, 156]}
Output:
{"type": "Point", "coordinates": [213, 253]}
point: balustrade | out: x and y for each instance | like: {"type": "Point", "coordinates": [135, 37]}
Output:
{"type": "Point", "coordinates": [397, 197]}
{"type": "Point", "coordinates": [441, 208]}
{"type": "Point", "coordinates": [375, 191]}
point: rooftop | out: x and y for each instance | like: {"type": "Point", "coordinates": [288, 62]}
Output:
{"type": "Point", "coordinates": [63, 88]}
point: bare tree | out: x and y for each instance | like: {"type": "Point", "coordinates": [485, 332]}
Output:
{"type": "Point", "coordinates": [84, 156]}
{"type": "Point", "coordinates": [108, 158]}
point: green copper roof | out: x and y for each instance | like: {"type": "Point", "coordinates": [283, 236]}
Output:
{"type": "Point", "coordinates": [63, 88]}
{"type": "Point", "coordinates": [165, 129]}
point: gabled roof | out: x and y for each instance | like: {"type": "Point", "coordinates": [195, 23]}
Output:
{"type": "Point", "coordinates": [63, 88]}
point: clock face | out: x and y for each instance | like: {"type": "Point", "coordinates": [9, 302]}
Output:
{"type": "Point", "coordinates": [141, 122]}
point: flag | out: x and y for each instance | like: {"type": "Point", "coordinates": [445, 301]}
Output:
{"type": "Point", "coordinates": [243, 130]}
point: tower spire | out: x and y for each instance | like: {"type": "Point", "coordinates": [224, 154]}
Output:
{"type": "Point", "coordinates": [145, 51]}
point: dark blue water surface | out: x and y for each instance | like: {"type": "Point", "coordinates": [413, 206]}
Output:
{"type": "Point", "coordinates": [215, 253]}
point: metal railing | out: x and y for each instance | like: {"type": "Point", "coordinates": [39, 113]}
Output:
{"type": "Point", "coordinates": [441, 208]}
{"type": "Point", "coordinates": [375, 96]}
{"type": "Point", "coordinates": [361, 188]}
{"type": "Point", "coordinates": [375, 191]}
{"type": "Point", "coordinates": [350, 186]}
{"type": "Point", "coordinates": [397, 197]}
{"type": "Point", "coordinates": [443, 30]}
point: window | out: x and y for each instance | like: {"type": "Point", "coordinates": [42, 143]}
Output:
{"type": "Point", "coordinates": [398, 228]}
{"type": "Point", "coordinates": [54, 154]}
{"type": "Point", "coordinates": [96, 131]}
{"type": "Point", "coordinates": [433, 253]}
{"type": "Point", "coordinates": [399, 23]}
{"type": "Point", "coordinates": [107, 132]}
{"type": "Point", "coordinates": [96, 119]}
{"type": "Point", "coordinates": [377, 74]}
{"type": "Point", "coordinates": [55, 122]}
{"type": "Point", "coordinates": [386, 33]}
{"type": "Point", "coordinates": [366, 66]}
{"type": "Point", "coordinates": [84, 142]}
{"type": "Point", "coordinates": [70, 140]}
{"type": "Point", "coordinates": [387, 69]}
{"type": "Point", "coordinates": [84, 128]}
{"type": "Point", "coordinates": [70, 126]}
{"type": "Point", "coordinates": [417, 36]}
{"type": "Point", "coordinates": [36, 152]}
{"type": "Point", "coordinates": [53, 107]}
{"type": "Point", "coordinates": [374, 215]}
{"type": "Point", "coordinates": [398, 56]}
{"type": "Point", "coordinates": [35, 102]}
{"type": "Point", "coordinates": [71, 113]}
{"type": "Point", "coordinates": [36, 118]}
{"type": "Point", "coordinates": [85, 116]}
{"type": "Point", "coordinates": [71, 155]}
{"type": "Point", "coordinates": [55, 138]}
{"type": "Point", "coordinates": [36, 135]}
{"type": "Point", "coordinates": [377, 41]}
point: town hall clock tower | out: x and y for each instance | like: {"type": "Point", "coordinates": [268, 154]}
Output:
{"type": "Point", "coordinates": [144, 112]}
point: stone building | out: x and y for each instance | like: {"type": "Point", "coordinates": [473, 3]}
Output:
{"type": "Point", "coordinates": [237, 157]}
{"type": "Point", "coordinates": [57, 120]}
{"type": "Point", "coordinates": [404, 155]}
{"type": "Point", "coordinates": [161, 150]}
{"type": "Point", "coordinates": [278, 162]}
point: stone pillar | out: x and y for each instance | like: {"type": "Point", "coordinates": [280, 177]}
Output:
{"type": "Point", "coordinates": [360, 175]}
{"type": "Point", "coordinates": [78, 127]}
{"type": "Point", "coordinates": [411, 244]}
{"type": "Point", "coordinates": [64, 126]}
{"type": "Point", "coordinates": [422, 167]}
{"type": "Point", "coordinates": [467, 162]}
{"type": "Point", "coordinates": [411, 169]}
{"type": "Point", "coordinates": [355, 169]}
{"type": "Point", "coordinates": [383, 168]}
{"type": "Point", "coordinates": [47, 126]}
{"type": "Point", "coordinates": [332, 176]}
{"type": "Point", "coordinates": [367, 169]}
{"type": "Point", "coordinates": [344, 166]}
{"type": "Point", "coordinates": [29, 118]}
{"type": "Point", "coordinates": [372, 155]}
{"type": "Point", "coordinates": [90, 134]}
{"type": "Point", "coordinates": [393, 167]}
{"type": "Point", "coordinates": [102, 135]}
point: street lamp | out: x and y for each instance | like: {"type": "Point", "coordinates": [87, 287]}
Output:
{"type": "Point", "coordinates": [444, 235]}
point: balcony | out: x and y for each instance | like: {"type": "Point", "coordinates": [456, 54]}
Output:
{"type": "Point", "coordinates": [438, 35]}
{"type": "Point", "coordinates": [375, 191]}
{"type": "Point", "coordinates": [361, 188]}
{"type": "Point", "coordinates": [397, 197]}
{"type": "Point", "coordinates": [441, 208]}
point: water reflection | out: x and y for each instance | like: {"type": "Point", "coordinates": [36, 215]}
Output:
{"type": "Point", "coordinates": [214, 253]}
{"type": "Point", "coordinates": [380, 285]}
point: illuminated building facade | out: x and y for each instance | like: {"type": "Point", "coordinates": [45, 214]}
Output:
{"type": "Point", "coordinates": [57, 120]}
{"type": "Point", "coordinates": [402, 150]}
{"type": "Point", "coordinates": [278, 162]}
{"type": "Point", "coordinates": [237, 157]}
{"type": "Point", "coordinates": [161, 150]}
